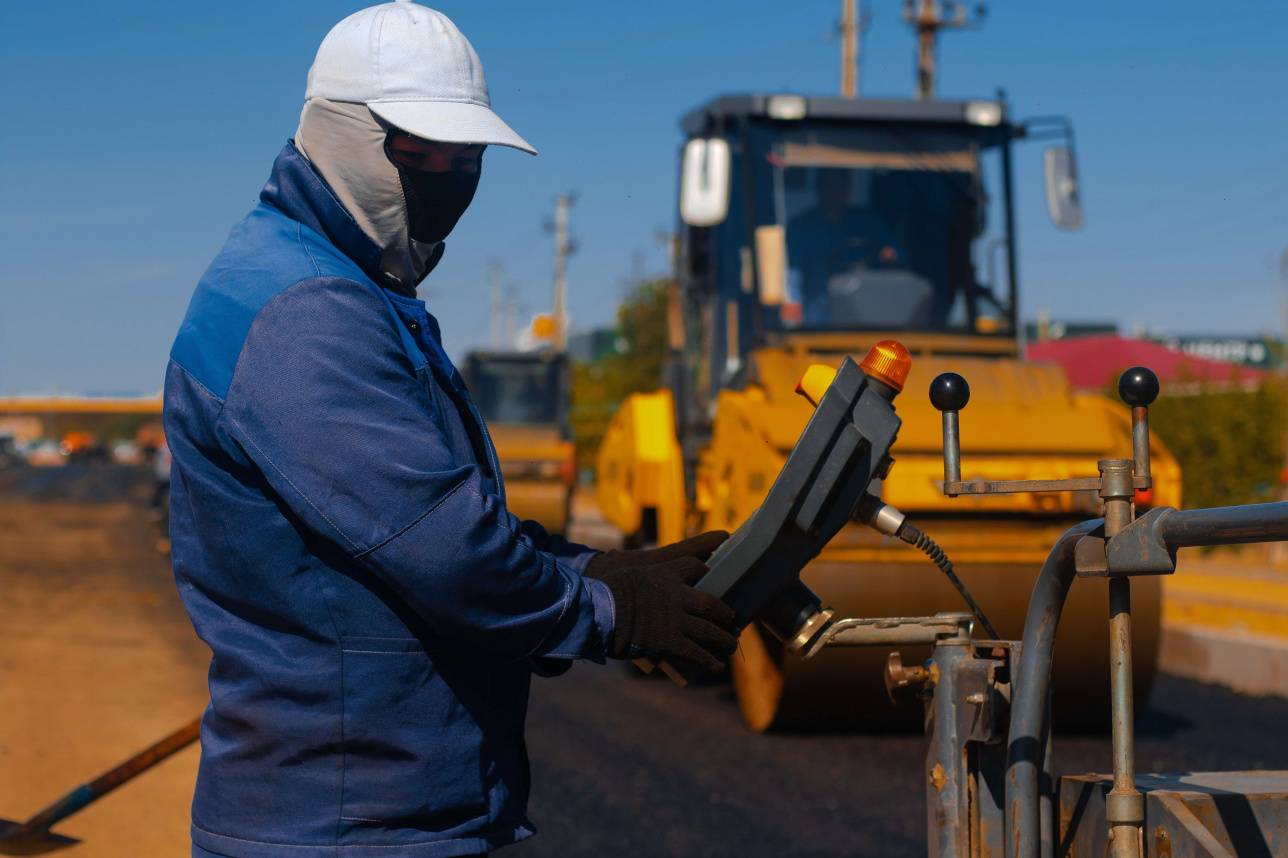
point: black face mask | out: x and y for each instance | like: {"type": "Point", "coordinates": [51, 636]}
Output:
{"type": "Point", "coordinates": [435, 201]}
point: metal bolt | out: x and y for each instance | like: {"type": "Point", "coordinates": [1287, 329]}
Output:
{"type": "Point", "coordinates": [1162, 843]}
{"type": "Point", "coordinates": [898, 677]}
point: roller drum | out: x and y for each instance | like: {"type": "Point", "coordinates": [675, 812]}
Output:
{"type": "Point", "coordinates": [843, 688]}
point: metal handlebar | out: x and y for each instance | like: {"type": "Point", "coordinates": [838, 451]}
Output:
{"type": "Point", "coordinates": [949, 394]}
{"type": "Point", "coordinates": [1117, 546]}
{"type": "Point", "coordinates": [1174, 529]}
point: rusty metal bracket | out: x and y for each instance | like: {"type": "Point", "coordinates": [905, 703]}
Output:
{"type": "Point", "coordinates": [1139, 549]}
{"type": "Point", "coordinates": [893, 631]}
{"type": "Point", "coordinates": [1001, 487]}
{"type": "Point", "coordinates": [1090, 556]}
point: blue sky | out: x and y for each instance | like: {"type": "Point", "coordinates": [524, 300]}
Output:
{"type": "Point", "coordinates": [136, 134]}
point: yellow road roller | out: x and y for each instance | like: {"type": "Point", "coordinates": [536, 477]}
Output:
{"type": "Point", "coordinates": [523, 397]}
{"type": "Point", "coordinates": [811, 228]}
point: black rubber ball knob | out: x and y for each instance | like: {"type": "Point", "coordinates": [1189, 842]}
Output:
{"type": "Point", "coordinates": [949, 392]}
{"type": "Point", "coordinates": [1138, 386]}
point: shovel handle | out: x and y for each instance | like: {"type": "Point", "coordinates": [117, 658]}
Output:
{"type": "Point", "coordinates": [111, 779]}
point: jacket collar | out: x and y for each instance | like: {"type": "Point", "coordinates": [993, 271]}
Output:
{"type": "Point", "coordinates": [297, 190]}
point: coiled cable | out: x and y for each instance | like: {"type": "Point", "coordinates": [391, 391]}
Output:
{"type": "Point", "coordinates": [912, 535]}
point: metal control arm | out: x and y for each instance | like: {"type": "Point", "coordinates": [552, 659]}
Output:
{"type": "Point", "coordinates": [1116, 547]}
{"type": "Point", "coordinates": [1163, 531]}
{"type": "Point", "coordinates": [950, 393]}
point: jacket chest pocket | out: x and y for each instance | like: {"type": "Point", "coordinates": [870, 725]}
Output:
{"type": "Point", "coordinates": [426, 378]}
{"type": "Point", "coordinates": [450, 420]}
{"type": "Point", "coordinates": [463, 426]}
{"type": "Point", "coordinates": [413, 750]}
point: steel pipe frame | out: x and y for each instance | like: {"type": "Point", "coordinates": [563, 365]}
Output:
{"type": "Point", "coordinates": [1225, 525]}
{"type": "Point", "coordinates": [1124, 808]}
{"type": "Point", "coordinates": [1027, 751]}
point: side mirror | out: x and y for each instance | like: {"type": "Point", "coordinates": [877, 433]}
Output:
{"type": "Point", "coordinates": [704, 182]}
{"type": "Point", "coordinates": [1064, 202]}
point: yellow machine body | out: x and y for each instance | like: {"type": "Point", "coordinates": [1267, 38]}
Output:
{"type": "Point", "coordinates": [523, 397]}
{"type": "Point", "coordinates": [536, 462]}
{"type": "Point", "coordinates": [640, 483]}
{"type": "Point", "coordinates": [1023, 422]}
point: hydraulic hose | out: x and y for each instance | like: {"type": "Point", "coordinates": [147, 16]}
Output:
{"type": "Point", "coordinates": [1026, 744]}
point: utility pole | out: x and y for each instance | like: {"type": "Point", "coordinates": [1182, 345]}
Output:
{"type": "Point", "coordinates": [853, 24]}
{"type": "Point", "coordinates": [494, 286]}
{"type": "Point", "coordinates": [564, 247]}
{"type": "Point", "coordinates": [928, 17]}
{"type": "Point", "coordinates": [849, 50]}
{"type": "Point", "coordinates": [1283, 275]}
{"type": "Point", "coordinates": [511, 317]}
{"type": "Point", "coordinates": [1279, 550]}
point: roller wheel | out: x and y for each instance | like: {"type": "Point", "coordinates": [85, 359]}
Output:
{"type": "Point", "coordinates": [842, 689]}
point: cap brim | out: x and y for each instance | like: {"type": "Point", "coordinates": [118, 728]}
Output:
{"type": "Point", "coordinates": [450, 122]}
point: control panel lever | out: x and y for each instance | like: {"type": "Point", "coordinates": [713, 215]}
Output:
{"type": "Point", "coordinates": [949, 393]}
{"type": "Point", "coordinates": [1138, 387]}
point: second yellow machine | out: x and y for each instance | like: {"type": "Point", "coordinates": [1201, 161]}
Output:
{"type": "Point", "coordinates": [523, 396]}
{"type": "Point", "coordinates": [812, 227]}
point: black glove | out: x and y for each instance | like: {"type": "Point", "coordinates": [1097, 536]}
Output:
{"type": "Point", "coordinates": [700, 546]}
{"type": "Point", "coordinates": [660, 616]}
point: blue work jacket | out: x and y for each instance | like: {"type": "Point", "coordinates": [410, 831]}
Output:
{"type": "Point", "coordinates": [341, 542]}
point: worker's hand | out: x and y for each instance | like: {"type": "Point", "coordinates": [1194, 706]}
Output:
{"type": "Point", "coordinates": [700, 546]}
{"type": "Point", "coordinates": [658, 615]}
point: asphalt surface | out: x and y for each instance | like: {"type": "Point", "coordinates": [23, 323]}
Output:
{"type": "Point", "coordinates": [98, 659]}
{"type": "Point", "coordinates": [624, 764]}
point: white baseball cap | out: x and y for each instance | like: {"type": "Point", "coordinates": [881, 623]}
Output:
{"type": "Point", "coordinates": [412, 68]}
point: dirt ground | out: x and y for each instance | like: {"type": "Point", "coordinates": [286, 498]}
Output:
{"type": "Point", "coordinates": [97, 660]}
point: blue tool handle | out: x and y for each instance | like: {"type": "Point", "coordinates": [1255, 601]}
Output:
{"type": "Point", "coordinates": [87, 793]}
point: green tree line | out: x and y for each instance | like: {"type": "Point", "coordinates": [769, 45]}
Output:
{"type": "Point", "coordinates": [633, 366]}
{"type": "Point", "coordinates": [1229, 443]}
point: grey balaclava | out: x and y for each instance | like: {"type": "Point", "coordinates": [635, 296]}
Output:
{"type": "Point", "coordinates": [346, 143]}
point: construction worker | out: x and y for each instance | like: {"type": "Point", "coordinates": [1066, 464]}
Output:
{"type": "Point", "coordinates": [340, 534]}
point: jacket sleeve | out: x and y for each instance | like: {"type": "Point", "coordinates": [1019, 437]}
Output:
{"type": "Point", "coordinates": [571, 553]}
{"type": "Point", "coordinates": [576, 556]}
{"type": "Point", "coordinates": [330, 407]}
